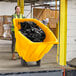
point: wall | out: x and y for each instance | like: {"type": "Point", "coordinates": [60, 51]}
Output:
{"type": "Point", "coordinates": [27, 10]}
{"type": "Point", "coordinates": [71, 30]}
{"type": "Point", "coordinates": [7, 8]}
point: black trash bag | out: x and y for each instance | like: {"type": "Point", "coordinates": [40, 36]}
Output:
{"type": "Point", "coordinates": [32, 31]}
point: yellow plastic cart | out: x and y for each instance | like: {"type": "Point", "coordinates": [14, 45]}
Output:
{"type": "Point", "coordinates": [33, 51]}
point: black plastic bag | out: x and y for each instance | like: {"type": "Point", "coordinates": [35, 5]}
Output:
{"type": "Point", "coordinates": [32, 31]}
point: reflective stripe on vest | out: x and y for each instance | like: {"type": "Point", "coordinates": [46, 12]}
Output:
{"type": "Point", "coordinates": [15, 16]}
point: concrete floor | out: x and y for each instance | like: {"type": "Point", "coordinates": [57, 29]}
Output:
{"type": "Point", "coordinates": [7, 65]}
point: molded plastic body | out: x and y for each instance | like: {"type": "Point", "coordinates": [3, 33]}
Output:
{"type": "Point", "coordinates": [33, 51]}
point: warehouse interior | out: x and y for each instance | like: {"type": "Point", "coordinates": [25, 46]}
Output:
{"type": "Point", "coordinates": [55, 59]}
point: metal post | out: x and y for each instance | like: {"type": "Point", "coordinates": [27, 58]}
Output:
{"type": "Point", "coordinates": [21, 4]}
{"type": "Point", "coordinates": [63, 32]}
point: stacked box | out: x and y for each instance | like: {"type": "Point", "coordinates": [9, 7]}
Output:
{"type": "Point", "coordinates": [42, 14]}
{"type": "Point", "coordinates": [1, 25]}
{"type": "Point", "coordinates": [52, 22]}
{"type": "Point", "coordinates": [7, 19]}
{"type": "Point", "coordinates": [6, 33]}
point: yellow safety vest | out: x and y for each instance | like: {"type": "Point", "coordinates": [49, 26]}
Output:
{"type": "Point", "coordinates": [15, 16]}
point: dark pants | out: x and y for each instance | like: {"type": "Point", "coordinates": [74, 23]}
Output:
{"type": "Point", "coordinates": [13, 41]}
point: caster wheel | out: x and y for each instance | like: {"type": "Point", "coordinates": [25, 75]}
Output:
{"type": "Point", "coordinates": [38, 63]}
{"type": "Point", "coordinates": [23, 62]}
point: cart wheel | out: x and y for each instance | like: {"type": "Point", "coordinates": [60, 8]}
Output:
{"type": "Point", "coordinates": [23, 62]}
{"type": "Point", "coordinates": [38, 63]}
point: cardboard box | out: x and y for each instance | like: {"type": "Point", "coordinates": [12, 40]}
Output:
{"type": "Point", "coordinates": [53, 30]}
{"type": "Point", "coordinates": [7, 19]}
{"type": "Point", "coordinates": [7, 31]}
{"type": "Point", "coordinates": [42, 14]}
{"type": "Point", "coordinates": [52, 22]}
{"type": "Point", "coordinates": [1, 30]}
{"type": "Point", "coordinates": [1, 19]}
{"type": "Point", "coordinates": [1, 23]}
